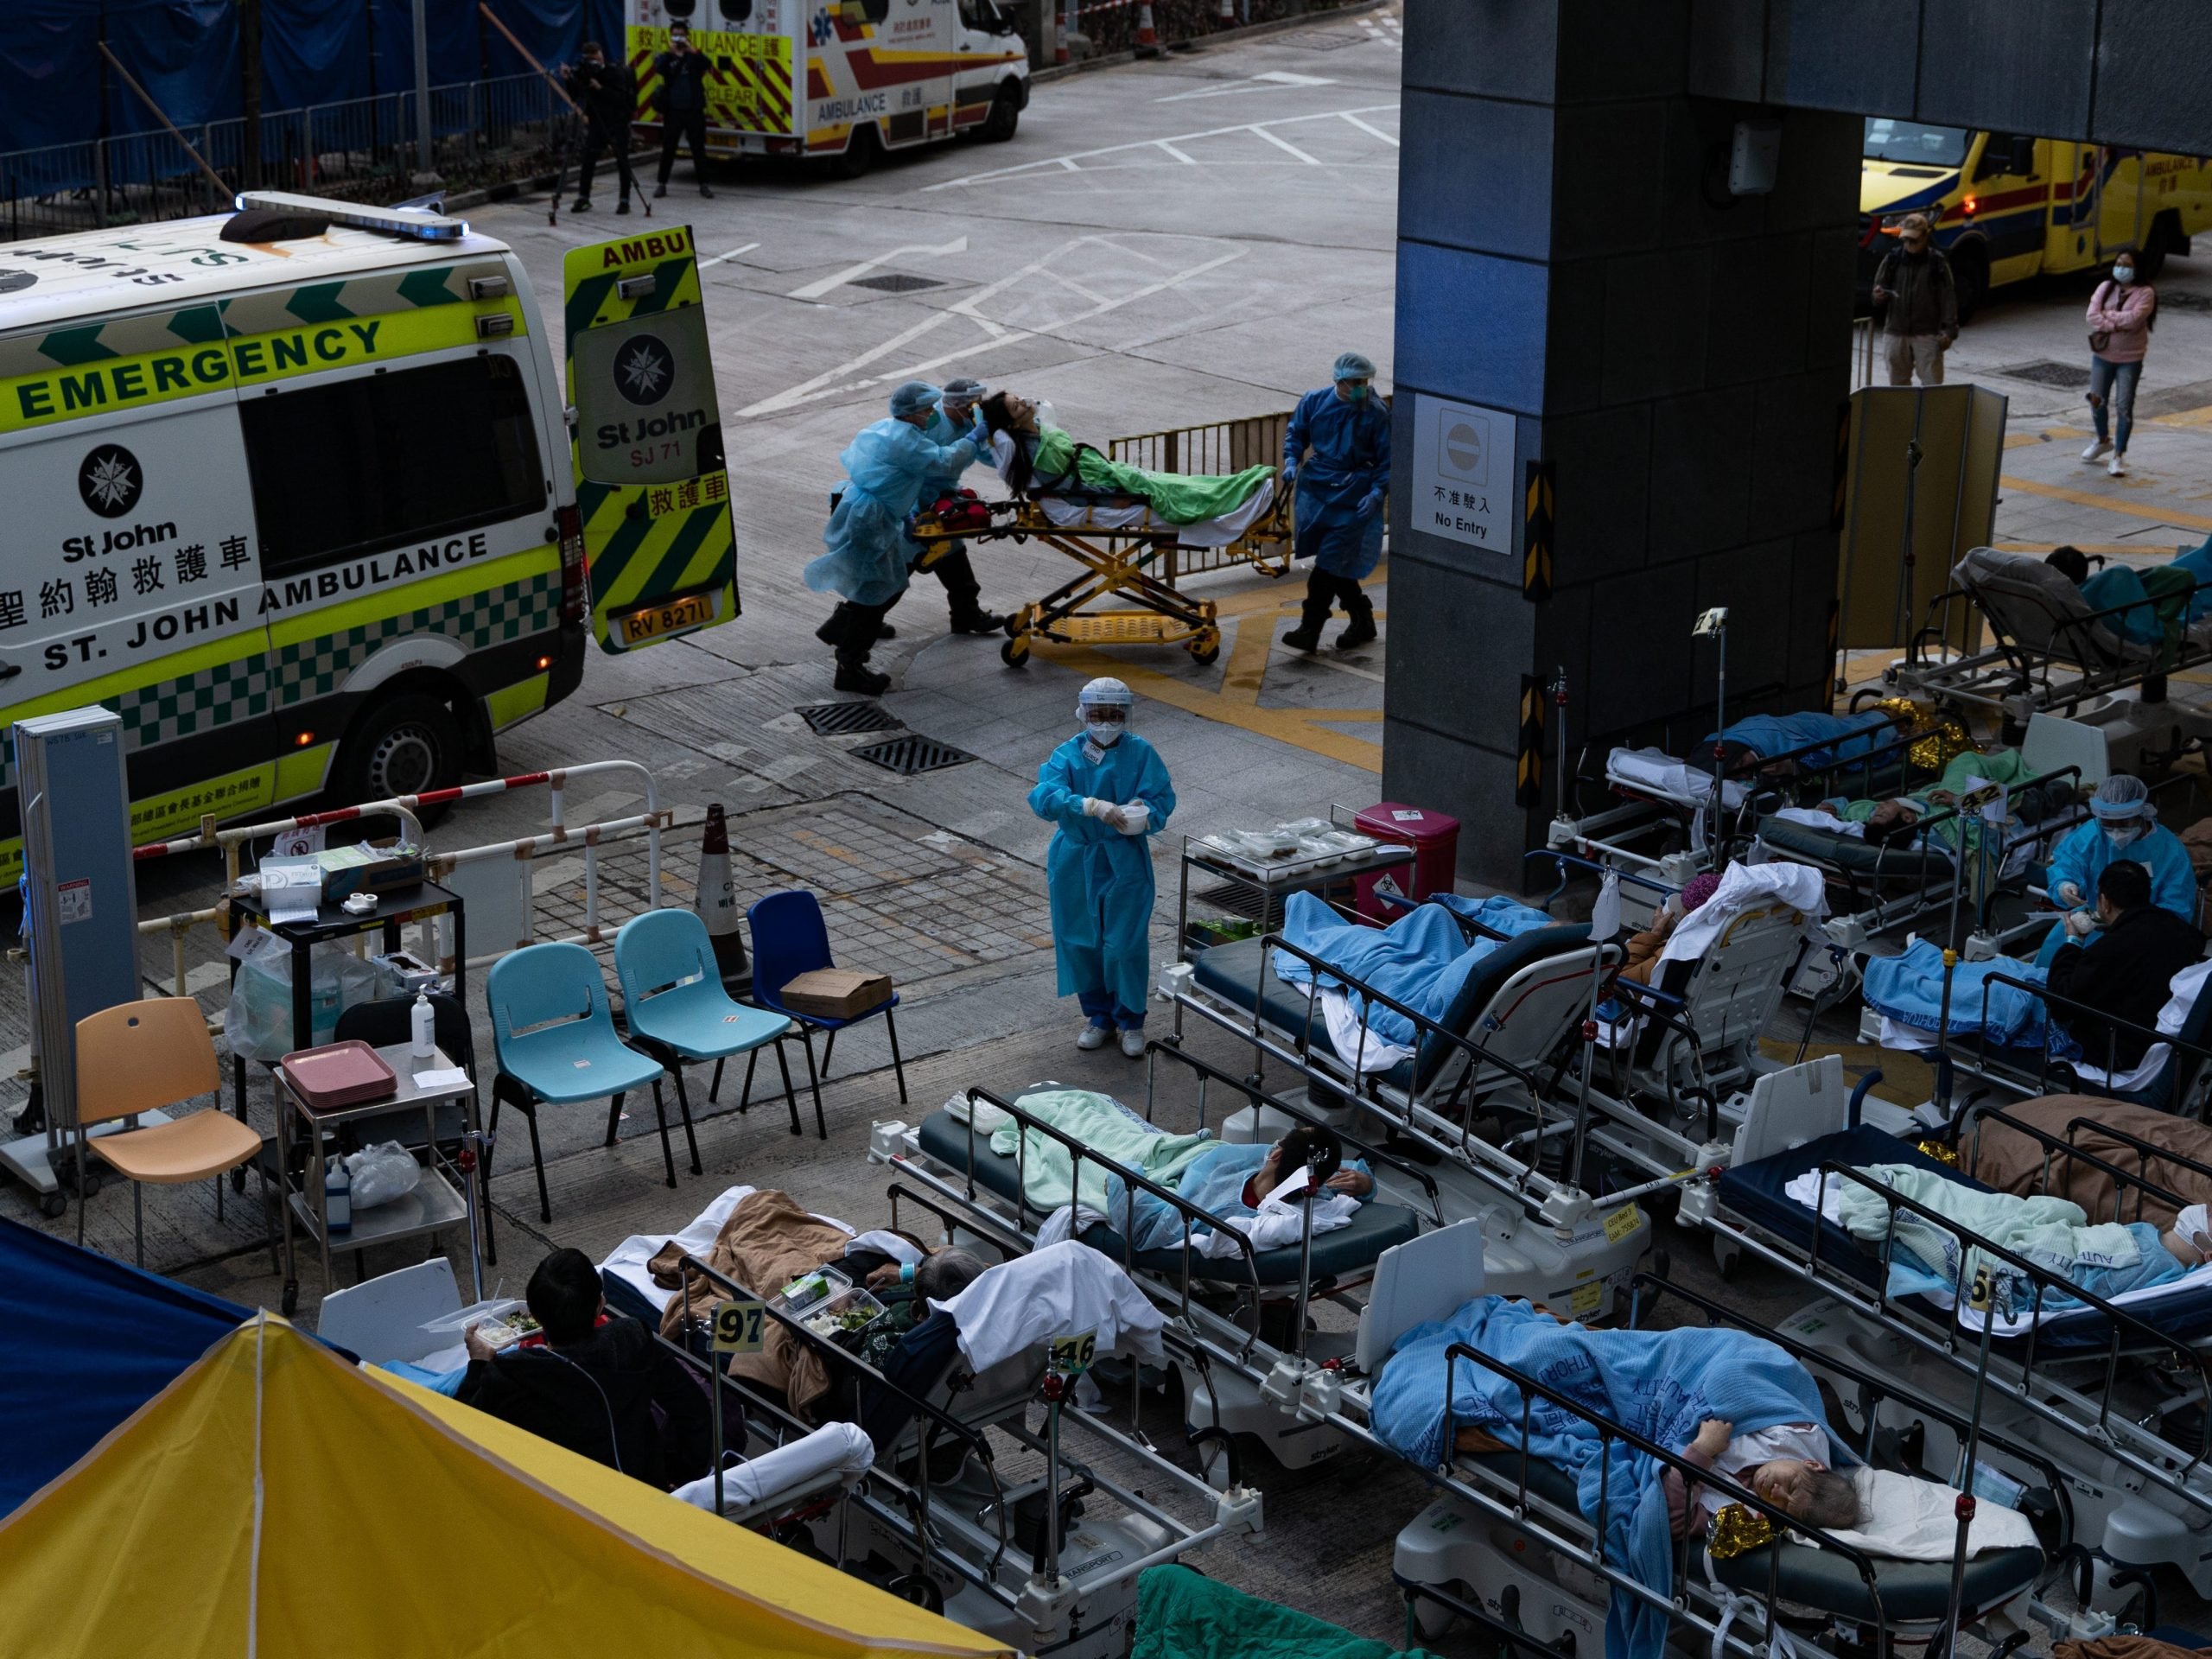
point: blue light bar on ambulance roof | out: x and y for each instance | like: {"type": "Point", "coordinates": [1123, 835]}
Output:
{"type": "Point", "coordinates": [393, 221]}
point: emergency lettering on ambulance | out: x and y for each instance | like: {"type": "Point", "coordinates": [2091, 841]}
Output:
{"type": "Point", "coordinates": [845, 79]}
{"type": "Point", "coordinates": [2007, 206]}
{"type": "Point", "coordinates": [287, 492]}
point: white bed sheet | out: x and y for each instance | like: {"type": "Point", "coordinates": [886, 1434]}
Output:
{"type": "Point", "coordinates": [1654, 772]}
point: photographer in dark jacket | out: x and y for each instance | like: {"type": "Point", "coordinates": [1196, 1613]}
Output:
{"type": "Point", "coordinates": [608, 93]}
{"type": "Point", "coordinates": [2125, 971]}
{"type": "Point", "coordinates": [595, 1382]}
{"type": "Point", "coordinates": [681, 102]}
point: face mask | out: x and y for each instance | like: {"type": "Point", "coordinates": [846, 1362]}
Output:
{"type": "Point", "coordinates": [2121, 835]}
{"type": "Point", "coordinates": [1104, 733]}
{"type": "Point", "coordinates": [2123, 274]}
{"type": "Point", "coordinates": [1355, 394]}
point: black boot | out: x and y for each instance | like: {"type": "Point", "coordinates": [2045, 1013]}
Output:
{"type": "Point", "coordinates": [837, 633]}
{"type": "Point", "coordinates": [884, 630]}
{"type": "Point", "coordinates": [855, 675]}
{"type": "Point", "coordinates": [1306, 636]}
{"type": "Point", "coordinates": [1361, 610]}
{"type": "Point", "coordinates": [963, 594]}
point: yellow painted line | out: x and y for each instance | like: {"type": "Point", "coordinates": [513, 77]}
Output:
{"type": "Point", "coordinates": [2188, 418]}
{"type": "Point", "coordinates": [2048, 435]}
{"type": "Point", "coordinates": [2089, 499]}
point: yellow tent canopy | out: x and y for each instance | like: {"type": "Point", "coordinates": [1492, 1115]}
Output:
{"type": "Point", "coordinates": [274, 1501]}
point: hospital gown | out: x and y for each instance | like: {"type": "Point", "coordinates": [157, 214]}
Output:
{"type": "Point", "coordinates": [1100, 879]}
{"type": "Point", "coordinates": [885, 466]}
{"type": "Point", "coordinates": [1350, 461]}
{"type": "Point", "coordinates": [2082, 856]}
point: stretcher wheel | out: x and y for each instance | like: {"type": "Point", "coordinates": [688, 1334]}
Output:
{"type": "Point", "coordinates": [53, 1205]}
{"type": "Point", "coordinates": [1015, 652]}
{"type": "Point", "coordinates": [1205, 646]}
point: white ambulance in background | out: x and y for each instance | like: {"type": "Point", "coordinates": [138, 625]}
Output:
{"type": "Point", "coordinates": [849, 78]}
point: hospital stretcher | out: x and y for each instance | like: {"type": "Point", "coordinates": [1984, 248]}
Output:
{"type": "Point", "coordinates": [2113, 1392]}
{"type": "Point", "coordinates": [2049, 653]}
{"type": "Point", "coordinates": [1126, 592]}
{"type": "Point", "coordinates": [938, 1517]}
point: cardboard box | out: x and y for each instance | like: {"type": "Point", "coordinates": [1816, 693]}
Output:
{"type": "Point", "coordinates": [836, 993]}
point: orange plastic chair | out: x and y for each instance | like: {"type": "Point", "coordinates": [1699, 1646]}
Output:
{"type": "Point", "coordinates": [133, 1058]}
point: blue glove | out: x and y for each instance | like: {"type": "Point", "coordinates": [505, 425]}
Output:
{"type": "Point", "coordinates": [1371, 504]}
{"type": "Point", "coordinates": [1290, 471]}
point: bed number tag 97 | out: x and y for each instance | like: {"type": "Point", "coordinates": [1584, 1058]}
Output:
{"type": "Point", "coordinates": [738, 1327]}
{"type": "Point", "coordinates": [1072, 1356]}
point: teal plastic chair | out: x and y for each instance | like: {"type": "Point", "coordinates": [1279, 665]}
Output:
{"type": "Point", "coordinates": [554, 1034]}
{"type": "Point", "coordinates": [672, 995]}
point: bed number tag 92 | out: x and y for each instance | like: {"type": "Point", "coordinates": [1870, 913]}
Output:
{"type": "Point", "coordinates": [1072, 1356]}
{"type": "Point", "coordinates": [738, 1327]}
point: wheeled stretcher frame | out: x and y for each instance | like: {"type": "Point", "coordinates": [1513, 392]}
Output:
{"type": "Point", "coordinates": [1129, 566]}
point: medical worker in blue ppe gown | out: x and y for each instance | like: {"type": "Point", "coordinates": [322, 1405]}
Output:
{"type": "Point", "coordinates": [1108, 790]}
{"type": "Point", "coordinates": [2123, 823]}
{"type": "Point", "coordinates": [963, 593]}
{"type": "Point", "coordinates": [1337, 450]}
{"type": "Point", "coordinates": [867, 562]}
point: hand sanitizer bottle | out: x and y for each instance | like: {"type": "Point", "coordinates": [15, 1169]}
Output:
{"type": "Point", "coordinates": [423, 1026]}
{"type": "Point", "coordinates": [337, 1197]}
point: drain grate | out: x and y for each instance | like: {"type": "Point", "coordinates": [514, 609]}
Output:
{"type": "Point", "coordinates": [2066, 376]}
{"type": "Point", "coordinates": [909, 755]}
{"type": "Point", "coordinates": [897, 282]}
{"type": "Point", "coordinates": [841, 719]}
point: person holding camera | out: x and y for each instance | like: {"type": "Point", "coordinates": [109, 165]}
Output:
{"type": "Point", "coordinates": [608, 93]}
{"type": "Point", "coordinates": [683, 105]}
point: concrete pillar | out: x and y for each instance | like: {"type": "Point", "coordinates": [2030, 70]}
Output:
{"type": "Point", "coordinates": [1569, 258]}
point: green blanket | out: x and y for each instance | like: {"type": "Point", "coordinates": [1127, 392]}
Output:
{"type": "Point", "coordinates": [1181, 1614]}
{"type": "Point", "coordinates": [1048, 1170]}
{"type": "Point", "coordinates": [1179, 498]}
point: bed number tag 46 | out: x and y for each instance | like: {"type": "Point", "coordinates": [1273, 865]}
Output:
{"type": "Point", "coordinates": [738, 1327]}
{"type": "Point", "coordinates": [1072, 1356]}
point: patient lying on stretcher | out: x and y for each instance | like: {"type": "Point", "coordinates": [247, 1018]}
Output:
{"type": "Point", "coordinates": [1970, 781]}
{"type": "Point", "coordinates": [1036, 457]}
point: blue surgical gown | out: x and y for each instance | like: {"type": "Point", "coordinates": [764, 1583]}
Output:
{"type": "Point", "coordinates": [1351, 461]}
{"type": "Point", "coordinates": [951, 437]}
{"type": "Point", "coordinates": [1101, 879]}
{"type": "Point", "coordinates": [1840, 737]}
{"type": "Point", "coordinates": [2082, 856]}
{"type": "Point", "coordinates": [885, 467]}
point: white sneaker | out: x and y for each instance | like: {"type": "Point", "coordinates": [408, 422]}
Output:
{"type": "Point", "coordinates": [2117, 467]}
{"type": "Point", "coordinates": [2097, 450]}
{"type": "Point", "coordinates": [1132, 1045]}
{"type": "Point", "coordinates": [1093, 1037]}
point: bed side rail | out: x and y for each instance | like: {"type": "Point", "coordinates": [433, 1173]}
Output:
{"type": "Point", "coordinates": [2192, 1057]}
{"type": "Point", "coordinates": [1686, 1551]}
{"type": "Point", "coordinates": [2126, 1332]}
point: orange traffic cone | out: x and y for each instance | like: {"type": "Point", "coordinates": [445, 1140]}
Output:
{"type": "Point", "coordinates": [1147, 38]}
{"type": "Point", "coordinates": [718, 903]}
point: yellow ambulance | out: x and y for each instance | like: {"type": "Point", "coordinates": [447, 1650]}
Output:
{"type": "Point", "coordinates": [292, 491]}
{"type": "Point", "coordinates": [2007, 206]}
{"type": "Point", "coordinates": [848, 78]}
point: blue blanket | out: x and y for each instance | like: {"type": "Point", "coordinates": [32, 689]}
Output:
{"type": "Point", "coordinates": [1421, 960]}
{"type": "Point", "coordinates": [1659, 1384]}
{"type": "Point", "coordinates": [1909, 989]}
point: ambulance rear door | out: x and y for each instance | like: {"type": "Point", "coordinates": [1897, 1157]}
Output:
{"type": "Point", "coordinates": [651, 486]}
{"type": "Point", "coordinates": [753, 48]}
{"type": "Point", "coordinates": [128, 576]}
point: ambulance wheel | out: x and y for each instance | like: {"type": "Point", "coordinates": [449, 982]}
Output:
{"type": "Point", "coordinates": [53, 1205]}
{"type": "Point", "coordinates": [862, 152]}
{"type": "Point", "coordinates": [404, 747]}
{"type": "Point", "coordinates": [1015, 652]}
{"type": "Point", "coordinates": [1004, 119]}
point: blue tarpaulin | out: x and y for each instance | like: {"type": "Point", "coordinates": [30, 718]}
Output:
{"type": "Point", "coordinates": [84, 1343]}
{"type": "Point", "coordinates": [187, 55]}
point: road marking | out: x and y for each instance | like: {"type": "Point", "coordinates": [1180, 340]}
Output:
{"type": "Point", "coordinates": [1285, 145]}
{"type": "Point", "coordinates": [1069, 163]}
{"type": "Point", "coordinates": [815, 291]}
{"type": "Point", "coordinates": [1236, 702]}
{"type": "Point", "coordinates": [1176, 152]}
{"type": "Point", "coordinates": [1377, 131]}
{"type": "Point", "coordinates": [709, 264]}
{"type": "Point", "coordinates": [1273, 80]}
{"type": "Point", "coordinates": [2089, 499]}
{"type": "Point", "coordinates": [836, 381]}
{"type": "Point", "coordinates": [2187, 417]}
